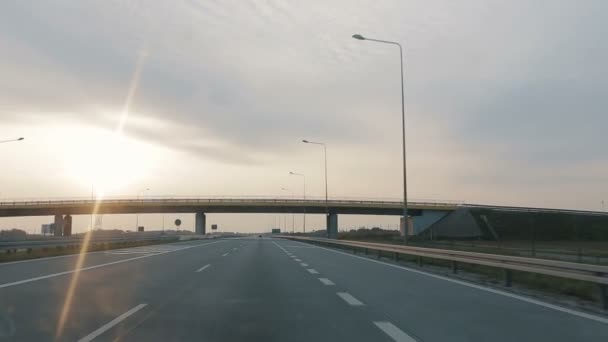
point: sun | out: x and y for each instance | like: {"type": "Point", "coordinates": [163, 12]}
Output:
{"type": "Point", "coordinates": [107, 160]}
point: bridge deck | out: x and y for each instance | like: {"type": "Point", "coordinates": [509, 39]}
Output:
{"type": "Point", "coordinates": [212, 205]}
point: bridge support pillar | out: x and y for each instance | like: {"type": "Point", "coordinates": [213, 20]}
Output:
{"type": "Point", "coordinates": [58, 231]}
{"type": "Point", "coordinates": [332, 226]}
{"type": "Point", "coordinates": [200, 223]}
{"type": "Point", "coordinates": [67, 225]}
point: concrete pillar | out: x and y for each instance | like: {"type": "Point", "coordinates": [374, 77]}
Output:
{"type": "Point", "coordinates": [67, 225]}
{"type": "Point", "coordinates": [200, 223]}
{"type": "Point", "coordinates": [332, 226]}
{"type": "Point", "coordinates": [58, 225]}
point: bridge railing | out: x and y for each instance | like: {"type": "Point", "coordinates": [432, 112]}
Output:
{"type": "Point", "coordinates": [277, 200]}
{"type": "Point", "coordinates": [570, 270]}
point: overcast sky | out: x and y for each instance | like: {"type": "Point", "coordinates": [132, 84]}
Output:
{"type": "Point", "coordinates": [506, 101]}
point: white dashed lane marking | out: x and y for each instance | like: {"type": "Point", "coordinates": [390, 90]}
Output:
{"type": "Point", "coordinates": [112, 323]}
{"type": "Point", "coordinates": [347, 297]}
{"type": "Point", "coordinates": [225, 254]}
{"type": "Point", "coordinates": [202, 268]}
{"type": "Point", "coordinates": [395, 333]}
{"type": "Point", "coordinates": [326, 281]}
{"type": "Point", "coordinates": [304, 264]}
{"type": "Point", "coordinates": [312, 271]}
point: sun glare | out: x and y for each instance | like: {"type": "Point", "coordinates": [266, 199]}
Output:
{"type": "Point", "coordinates": [107, 160]}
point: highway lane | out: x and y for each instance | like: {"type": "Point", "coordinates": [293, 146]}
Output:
{"type": "Point", "coordinates": [25, 269]}
{"type": "Point", "coordinates": [31, 311]}
{"type": "Point", "coordinates": [257, 293]}
{"type": "Point", "coordinates": [435, 309]}
{"type": "Point", "coordinates": [266, 290]}
{"type": "Point", "coordinates": [226, 291]}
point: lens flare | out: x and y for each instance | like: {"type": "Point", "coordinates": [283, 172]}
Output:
{"type": "Point", "coordinates": [67, 304]}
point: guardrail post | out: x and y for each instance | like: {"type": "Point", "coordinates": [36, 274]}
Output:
{"type": "Point", "coordinates": [396, 256]}
{"type": "Point", "coordinates": [532, 237]}
{"type": "Point", "coordinates": [508, 277]}
{"type": "Point", "coordinates": [365, 251]}
{"type": "Point", "coordinates": [604, 296]}
{"type": "Point", "coordinates": [420, 261]}
{"type": "Point", "coordinates": [454, 267]}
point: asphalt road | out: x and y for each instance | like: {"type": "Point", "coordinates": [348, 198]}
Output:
{"type": "Point", "coordinates": [262, 289]}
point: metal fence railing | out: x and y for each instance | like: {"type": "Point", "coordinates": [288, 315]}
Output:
{"type": "Point", "coordinates": [214, 200]}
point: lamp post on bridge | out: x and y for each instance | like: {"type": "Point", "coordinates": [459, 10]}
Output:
{"type": "Point", "coordinates": [326, 201]}
{"type": "Point", "coordinates": [304, 177]}
{"type": "Point", "coordinates": [137, 214]}
{"type": "Point", "coordinates": [405, 211]}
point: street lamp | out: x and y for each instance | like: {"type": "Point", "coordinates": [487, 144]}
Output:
{"type": "Point", "coordinates": [11, 140]}
{"type": "Point", "coordinates": [326, 202]}
{"type": "Point", "coordinates": [137, 214]}
{"type": "Point", "coordinates": [405, 212]}
{"type": "Point", "coordinates": [292, 215]}
{"type": "Point", "coordinates": [304, 177]}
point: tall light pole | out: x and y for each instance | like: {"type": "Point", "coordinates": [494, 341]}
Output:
{"type": "Point", "coordinates": [326, 202]}
{"type": "Point", "coordinates": [11, 140]}
{"type": "Point", "coordinates": [304, 177]}
{"type": "Point", "coordinates": [405, 213]}
{"type": "Point", "coordinates": [292, 215]}
{"type": "Point", "coordinates": [137, 214]}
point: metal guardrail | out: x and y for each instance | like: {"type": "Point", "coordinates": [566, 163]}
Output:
{"type": "Point", "coordinates": [570, 270]}
{"type": "Point", "coordinates": [25, 244]}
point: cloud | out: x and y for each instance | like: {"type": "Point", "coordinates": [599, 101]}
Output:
{"type": "Point", "coordinates": [515, 84]}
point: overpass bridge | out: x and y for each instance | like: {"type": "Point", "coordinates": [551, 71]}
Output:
{"type": "Point", "coordinates": [62, 209]}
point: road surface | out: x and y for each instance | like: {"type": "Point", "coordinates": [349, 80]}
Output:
{"type": "Point", "coordinates": [263, 289]}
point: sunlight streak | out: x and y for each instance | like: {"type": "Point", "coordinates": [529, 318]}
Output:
{"type": "Point", "coordinates": [131, 93]}
{"type": "Point", "coordinates": [67, 304]}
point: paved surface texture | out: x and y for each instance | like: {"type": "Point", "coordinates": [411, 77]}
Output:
{"type": "Point", "coordinates": [262, 289]}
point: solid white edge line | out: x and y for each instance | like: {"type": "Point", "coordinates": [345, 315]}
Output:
{"type": "Point", "coordinates": [326, 282]}
{"type": "Point", "coordinates": [131, 252]}
{"type": "Point", "coordinates": [19, 282]}
{"type": "Point", "coordinates": [482, 288]}
{"type": "Point", "coordinates": [59, 256]}
{"type": "Point", "coordinates": [202, 268]}
{"type": "Point", "coordinates": [347, 297]}
{"type": "Point", "coordinates": [395, 333]}
{"type": "Point", "coordinates": [112, 323]}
